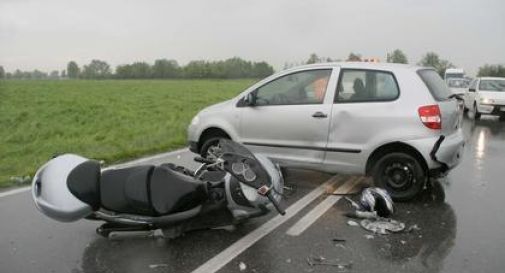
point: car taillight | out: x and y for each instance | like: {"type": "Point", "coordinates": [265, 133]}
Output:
{"type": "Point", "coordinates": [430, 116]}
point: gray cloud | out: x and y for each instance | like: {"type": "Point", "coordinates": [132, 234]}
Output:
{"type": "Point", "coordinates": [47, 34]}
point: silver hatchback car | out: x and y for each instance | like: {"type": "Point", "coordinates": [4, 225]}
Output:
{"type": "Point", "coordinates": [396, 123]}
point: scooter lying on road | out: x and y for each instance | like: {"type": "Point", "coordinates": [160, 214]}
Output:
{"type": "Point", "coordinates": [225, 190]}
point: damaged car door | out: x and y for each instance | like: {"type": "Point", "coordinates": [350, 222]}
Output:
{"type": "Point", "coordinates": [363, 110]}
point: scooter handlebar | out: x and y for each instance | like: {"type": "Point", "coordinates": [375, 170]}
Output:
{"type": "Point", "coordinates": [203, 160]}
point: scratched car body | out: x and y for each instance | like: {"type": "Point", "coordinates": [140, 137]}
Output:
{"type": "Point", "coordinates": [396, 123]}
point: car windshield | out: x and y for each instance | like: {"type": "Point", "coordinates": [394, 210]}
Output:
{"type": "Point", "coordinates": [492, 85]}
{"type": "Point", "coordinates": [457, 83]}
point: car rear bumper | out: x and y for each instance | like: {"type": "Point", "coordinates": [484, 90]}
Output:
{"type": "Point", "coordinates": [447, 152]}
{"type": "Point", "coordinates": [441, 153]}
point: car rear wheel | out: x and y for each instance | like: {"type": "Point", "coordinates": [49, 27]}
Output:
{"type": "Point", "coordinates": [502, 117]}
{"type": "Point", "coordinates": [400, 174]}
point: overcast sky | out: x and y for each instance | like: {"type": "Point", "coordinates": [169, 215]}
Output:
{"type": "Point", "coordinates": [46, 34]}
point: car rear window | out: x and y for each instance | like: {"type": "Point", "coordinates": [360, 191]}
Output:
{"type": "Point", "coordinates": [435, 84]}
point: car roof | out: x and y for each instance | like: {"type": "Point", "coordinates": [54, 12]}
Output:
{"type": "Point", "coordinates": [362, 65]}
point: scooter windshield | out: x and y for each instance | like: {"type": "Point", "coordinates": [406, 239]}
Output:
{"type": "Point", "coordinates": [243, 165]}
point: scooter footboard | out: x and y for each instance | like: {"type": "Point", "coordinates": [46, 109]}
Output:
{"type": "Point", "coordinates": [158, 221]}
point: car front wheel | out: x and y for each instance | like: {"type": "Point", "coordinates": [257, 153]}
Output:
{"type": "Point", "coordinates": [400, 174]}
{"type": "Point", "coordinates": [476, 114]}
{"type": "Point", "coordinates": [211, 148]}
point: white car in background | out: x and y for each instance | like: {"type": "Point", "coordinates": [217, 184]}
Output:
{"type": "Point", "coordinates": [458, 86]}
{"type": "Point", "coordinates": [454, 73]}
{"type": "Point", "coordinates": [486, 95]}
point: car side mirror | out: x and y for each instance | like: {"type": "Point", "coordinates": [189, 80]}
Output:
{"type": "Point", "coordinates": [471, 89]}
{"type": "Point", "coordinates": [250, 99]}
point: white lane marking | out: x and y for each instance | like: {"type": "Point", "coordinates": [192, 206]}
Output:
{"type": "Point", "coordinates": [14, 191]}
{"type": "Point", "coordinates": [121, 165]}
{"type": "Point", "coordinates": [311, 217]}
{"type": "Point", "coordinates": [147, 159]}
{"type": "Point", "coordinates": [225, 256]}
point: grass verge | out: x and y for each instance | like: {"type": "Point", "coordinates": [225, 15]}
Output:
{"type": "Point", "coordinates": [109, 120]}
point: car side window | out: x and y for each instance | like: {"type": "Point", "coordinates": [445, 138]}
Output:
{"type": "Point", "coordinates": [357, 85]}
{"type": "Point", "coordinates": [305, 87]}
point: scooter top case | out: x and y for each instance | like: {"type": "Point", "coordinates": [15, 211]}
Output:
{"type": "Point", "coordinates": [51, 193]}
{"type": "Point", "coordinates": [71, 187]}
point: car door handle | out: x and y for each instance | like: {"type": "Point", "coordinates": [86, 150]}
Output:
{"type": "Point", "coordinates": [319, 115]}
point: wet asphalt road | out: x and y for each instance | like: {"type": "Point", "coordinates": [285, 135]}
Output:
{"type": "Point", "coordinates": [461, 221]}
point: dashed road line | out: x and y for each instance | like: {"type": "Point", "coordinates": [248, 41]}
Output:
{"type": "Point", "coordinates": [311, 217]}
{"type": "Point", "coordinates": [14, 191]}
{"type": "Point", "coordinates": [225, 256]}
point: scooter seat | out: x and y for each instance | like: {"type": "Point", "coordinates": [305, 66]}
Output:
{"type": "Point", "coordinates": [84, 182]}
{"type": "Point", "coordinates": [149, 190]}
{"type": "Point", "coordinates": [125, 190]}
{"type": "Point", "coordinates": [172, 191]}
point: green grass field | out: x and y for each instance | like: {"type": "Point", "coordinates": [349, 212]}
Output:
{"type": "Point", "coordinates": [109, 120]}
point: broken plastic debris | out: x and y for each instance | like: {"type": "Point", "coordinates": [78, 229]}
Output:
{"type": "Point", "coordinates": [352, 223]}
{"type": "Point", "coordinates": [340, 245]}
{"type": "Point", "coordinates": [242, 266]}
{"type": "Point", "coordinates": [413, 228]}
{"type": "Point", "coordinates": [362, 214]}
{"type": "Point", "coordinates": [382, 226]}
{"type": "Point", "coordinates": [369, 237]}
{"type": "Point", "coordinates": [312, 261]}
{"type": "Point", "coordinates": [353, 204]}
{"type": "Point", "coordinates": [154, 266]}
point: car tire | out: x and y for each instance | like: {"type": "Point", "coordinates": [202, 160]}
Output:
{"type": "Point", "coordinates": [211, 144]}
{"type": "Point", "coordinates": [502, 117]}
{"type": "Point", "coordinates": [400, 174]}
{"type": "Point", "coordinates": [476, 114]}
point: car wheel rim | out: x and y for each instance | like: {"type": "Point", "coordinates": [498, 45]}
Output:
{"type": "Point", "coordinates": [398, 176]}
{"type": "Point", "coordinates": [214, 151]}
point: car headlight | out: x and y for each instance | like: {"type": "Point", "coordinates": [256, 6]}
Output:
{"type": "Point", "coordinates": [486, 101]}
{"type": "Point", "coordinates": [195, 120]}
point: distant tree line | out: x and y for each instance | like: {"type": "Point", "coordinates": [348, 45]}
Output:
{"type": "Point", "coordinates": [228, 69]}
{"type": "Point", "coordinates": [487, 70]}
{"type": "Point", "coordinates": [233, 68]}
{"type": "Point", "coordinates": [430, 59]}
{"type": "Point", "coordinates": [35, 74]}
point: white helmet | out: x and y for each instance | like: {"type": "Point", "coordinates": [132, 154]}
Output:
{"type": "Point", "coordinates": [377, 199]}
